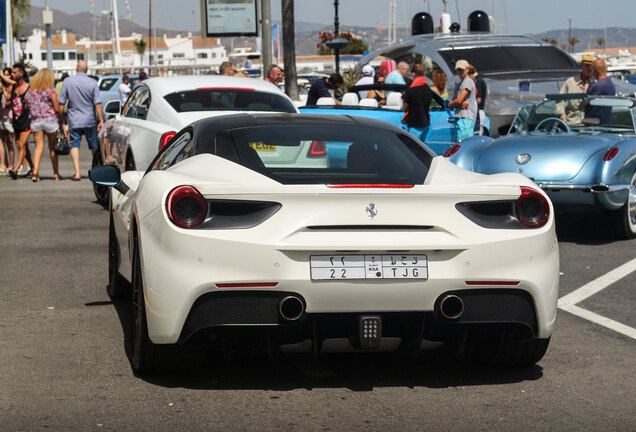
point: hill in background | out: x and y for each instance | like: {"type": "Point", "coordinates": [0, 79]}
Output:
{"type": "Point", "coordinates": [306, 33]}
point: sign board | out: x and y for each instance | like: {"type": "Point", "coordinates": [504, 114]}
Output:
{"type": "Point", "coordinates": [222, 18]}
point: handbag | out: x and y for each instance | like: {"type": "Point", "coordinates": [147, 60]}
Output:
{"type": "Point", "coordinates": [62, 146]}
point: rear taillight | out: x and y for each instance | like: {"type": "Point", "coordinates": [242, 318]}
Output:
{"type": "Point", "coordinates": [532, 208]}
{"type": "Point", "coordinates": [186, 207]}
{"type": "Point", "coordinates": [165, 138]}
{"type": "Point", "coordinates": [317, 149]}
{"type": "Point", "coordinates": [610, 154]}
{"type": "Point", "coordinates": [452, 150]}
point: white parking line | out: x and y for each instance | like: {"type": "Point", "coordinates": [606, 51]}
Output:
{"type": "Point", "coordinates": [568, 302]}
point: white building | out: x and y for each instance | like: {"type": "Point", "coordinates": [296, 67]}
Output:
{"type": "Point", "coordinates": [180, 51]}
{"type": "Point", "coordinates": [63, 47]}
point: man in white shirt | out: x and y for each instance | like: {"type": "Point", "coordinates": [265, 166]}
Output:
{"type": "Point", "coordinates": [367, 78]}
{"type": "Point", "coordinates": [124, 89]}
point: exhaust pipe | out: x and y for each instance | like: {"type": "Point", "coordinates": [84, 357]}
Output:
{"type": "Point", "coordinates": [451, 307]}
{"type": "Point", "coordinates": [291, 308]}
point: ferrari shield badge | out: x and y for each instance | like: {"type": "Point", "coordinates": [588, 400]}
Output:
{"type": "Point", "coordinates": [523, 158]}
{"type": "Point", "coordinates": [371, 211]}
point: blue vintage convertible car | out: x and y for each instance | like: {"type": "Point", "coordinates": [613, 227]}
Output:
{"type": "Point", "coordinates": [591, 162]}
{"type": "Point", "coordinates": [442, 120]}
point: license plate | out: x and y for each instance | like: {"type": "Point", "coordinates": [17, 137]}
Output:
{"type": "Point", "coordinates": [263, 147]}
{"type": "Point", "coordinates": [337, 267]}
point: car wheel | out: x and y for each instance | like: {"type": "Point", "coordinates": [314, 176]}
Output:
{"type": "Point", "coordinates": [101, 192]}
{"type": "Point", "coordinates": [147, 356]}
{"type": "Point", "coordinates": [510, 352]}
{"type": "Point", "coordinates": [625, 217]}
{"type": "Point", "coordinates": [130, 162]}
{"type": "Point", "coordinates": [118, 287]}
{"type": "Point", "coordinates": [143, 350]}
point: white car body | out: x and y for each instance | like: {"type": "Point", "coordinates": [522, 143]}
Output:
{"type": "Point", "coordinates": [131, 142]}
{"type": "Point", "coordinates": [182, 266]}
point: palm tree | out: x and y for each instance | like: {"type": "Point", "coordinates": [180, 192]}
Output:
{"type": "Point", "coordinates": [551, 41]}
{"type": "Point", "coordinates": [19, 11]}
{"type": "Point", "coordinates": [600, 42]}
{"type": "Point", "coordinates": [289, 49]}
{"type": "Point", "coordinates": [572, 41]}
{"type": "Point", "coordinates": [140, 45]}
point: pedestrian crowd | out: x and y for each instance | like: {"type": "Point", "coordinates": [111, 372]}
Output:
{"type": "Point", "coordinates": [37, 106]}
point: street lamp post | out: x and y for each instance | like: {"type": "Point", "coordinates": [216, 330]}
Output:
{"type": "Point", "coordinates": [337, 44]}
{"type": "Point", "coordinates": [23, 44]}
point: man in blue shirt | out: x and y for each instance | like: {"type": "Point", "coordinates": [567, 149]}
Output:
{"type": "Point", "coordinates": [84, 112]}
{"type": "Point", "coordinates": [602, 87]}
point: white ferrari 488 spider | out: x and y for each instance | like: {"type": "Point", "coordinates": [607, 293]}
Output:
{"type": "Point", "coordinates": [290, 232]}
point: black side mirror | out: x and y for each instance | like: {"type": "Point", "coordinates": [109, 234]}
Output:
{"type": "Point", "coordinates": [108, 175]}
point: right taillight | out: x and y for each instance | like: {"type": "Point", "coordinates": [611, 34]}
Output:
{"type": "Point", "coordinates": [186, 207]}
{"type": "Point", "coordinates": [532, 208]}
{"type": "Point", "coordinates": [610, 154]}
{"type": "Point", "coordinates": [452, 150]}
{"type": "Point", "coordinates": [165, 138]}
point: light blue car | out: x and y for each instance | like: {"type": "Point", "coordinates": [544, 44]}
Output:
{"type": "Point", "coordinates": [442, 120]}
{"type": "Point", "coordinates": [109, 86]}
{"type": "Point", "coordinates": [590, 161]}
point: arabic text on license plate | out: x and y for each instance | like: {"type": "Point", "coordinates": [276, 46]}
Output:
{"type": "Point", "coordinates": [332, 267]}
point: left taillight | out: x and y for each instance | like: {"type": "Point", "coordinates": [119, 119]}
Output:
{"type": "Point", "coordinates": [317, 149]}
{"type": "Point", "coordinates": [165, 138]}
{"type": "Point", "coordinates": [186, 207]}
{"type": "Point", "coordinates": [532, 208]}
{"type": "Point", "coordinates": [610, 154]}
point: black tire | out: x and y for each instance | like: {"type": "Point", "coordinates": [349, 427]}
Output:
{"type": "Point", "coordinates": [101, 192]}
{"type": "Point", "coordinates": [147, 356]}
{"type": "Point", "coordinates": [143, 350]}
{"type": "Point", "coordinates": [118, 286]}
{"type": "Point", "coordinates": [511, 353]}
{"type": "Point", "coordinates": [625, 218]}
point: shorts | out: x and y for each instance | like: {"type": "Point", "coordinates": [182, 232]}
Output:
{"type": "Point", "coordinates": [89, 132]}
{"type": "Point", "coordinates": [6, 125]}
{"type": "Point", "coordinates": [464, 127]}
{"type": "Point", "coordinates": [423, 133]}
{"type": "Point", "coordinates": [48, 126]}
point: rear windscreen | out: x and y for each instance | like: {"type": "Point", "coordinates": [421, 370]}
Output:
{"type": "Point", "coordinates": [228, 100]}
{"type": "Point", "coordinates": [332, 154]}
{"type": "Point", "coordinates": [508, 59]}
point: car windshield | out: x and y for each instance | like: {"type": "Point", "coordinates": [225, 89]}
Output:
{"type": "Point", "coordinates": [509, 59]}
{"type": "Point", "coordinates": [582, 114]}
{"type": "Point", "coordinates": [217, 99]}
{"type": "Point", "coordinates": [328, 154]}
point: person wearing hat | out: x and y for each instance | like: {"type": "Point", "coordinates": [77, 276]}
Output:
{"type": "Point", "coordinates": [464, 101]}
{"type": "Point", "coordinates": [367, 78]}
{"type": "Point", "coordinates": [573, 111]}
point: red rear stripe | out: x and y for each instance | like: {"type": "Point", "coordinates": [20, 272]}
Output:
{"type": "Point", "coordinates": [225, 88]}
{"type": "Point", "coordinates": [248, 285]}
{"type": "Point", "coordinates": [371, 186]}
{"type": "Point", "coordinates": [495, 283]}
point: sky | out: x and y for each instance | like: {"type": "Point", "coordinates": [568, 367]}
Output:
{"type": "Point", "coordinates": [521, 16]}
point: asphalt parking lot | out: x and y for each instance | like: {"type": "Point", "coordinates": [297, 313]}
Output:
{"type": "Point", "coordinates": [64, 356]}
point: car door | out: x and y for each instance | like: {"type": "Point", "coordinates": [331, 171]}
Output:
{"type": "Point", "coordinates": [118, 133]}
{"type": "Point", "coordinates": [142, 133]}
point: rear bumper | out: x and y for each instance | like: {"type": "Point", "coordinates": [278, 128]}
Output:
{"type": "Point", "coordinates": [255, 315]}
{"type": "Point", "coordinates": [610, 197]}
